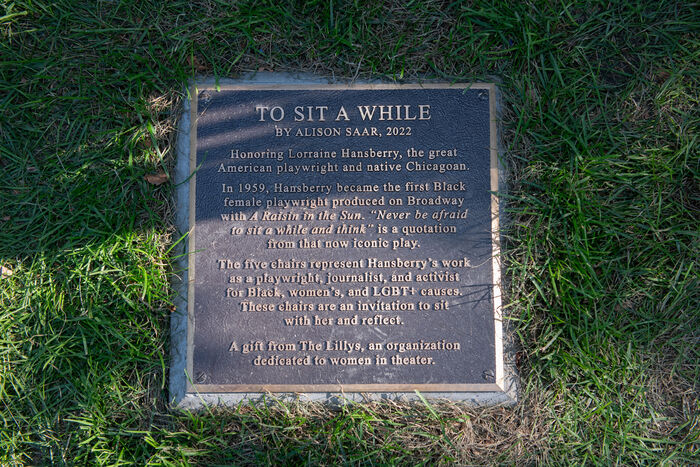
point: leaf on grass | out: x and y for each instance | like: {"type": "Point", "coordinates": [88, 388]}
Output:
{"type": "Point", "coordinates": [156, 179]}
{"type": "Point", "coordinates": [5, 272]}
{"type": "Point", "coordinates": [6, 218]}
{"type": "Point", "coordinates": [662, 76]}
{"type": "Point", "coordinates": [196, 63]}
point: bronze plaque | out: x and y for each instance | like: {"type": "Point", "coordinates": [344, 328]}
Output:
{"type": "Point", "coordinates": [344, 238]}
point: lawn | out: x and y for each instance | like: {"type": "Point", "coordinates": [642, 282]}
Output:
{"type": "Point", "coordinates": [600, 137]}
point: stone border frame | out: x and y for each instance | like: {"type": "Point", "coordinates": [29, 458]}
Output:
{"type": "Point", "coordinates": [185, 394]}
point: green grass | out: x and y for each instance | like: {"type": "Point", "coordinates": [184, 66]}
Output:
{"type": "Point", "coordinates": [600, 120]}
